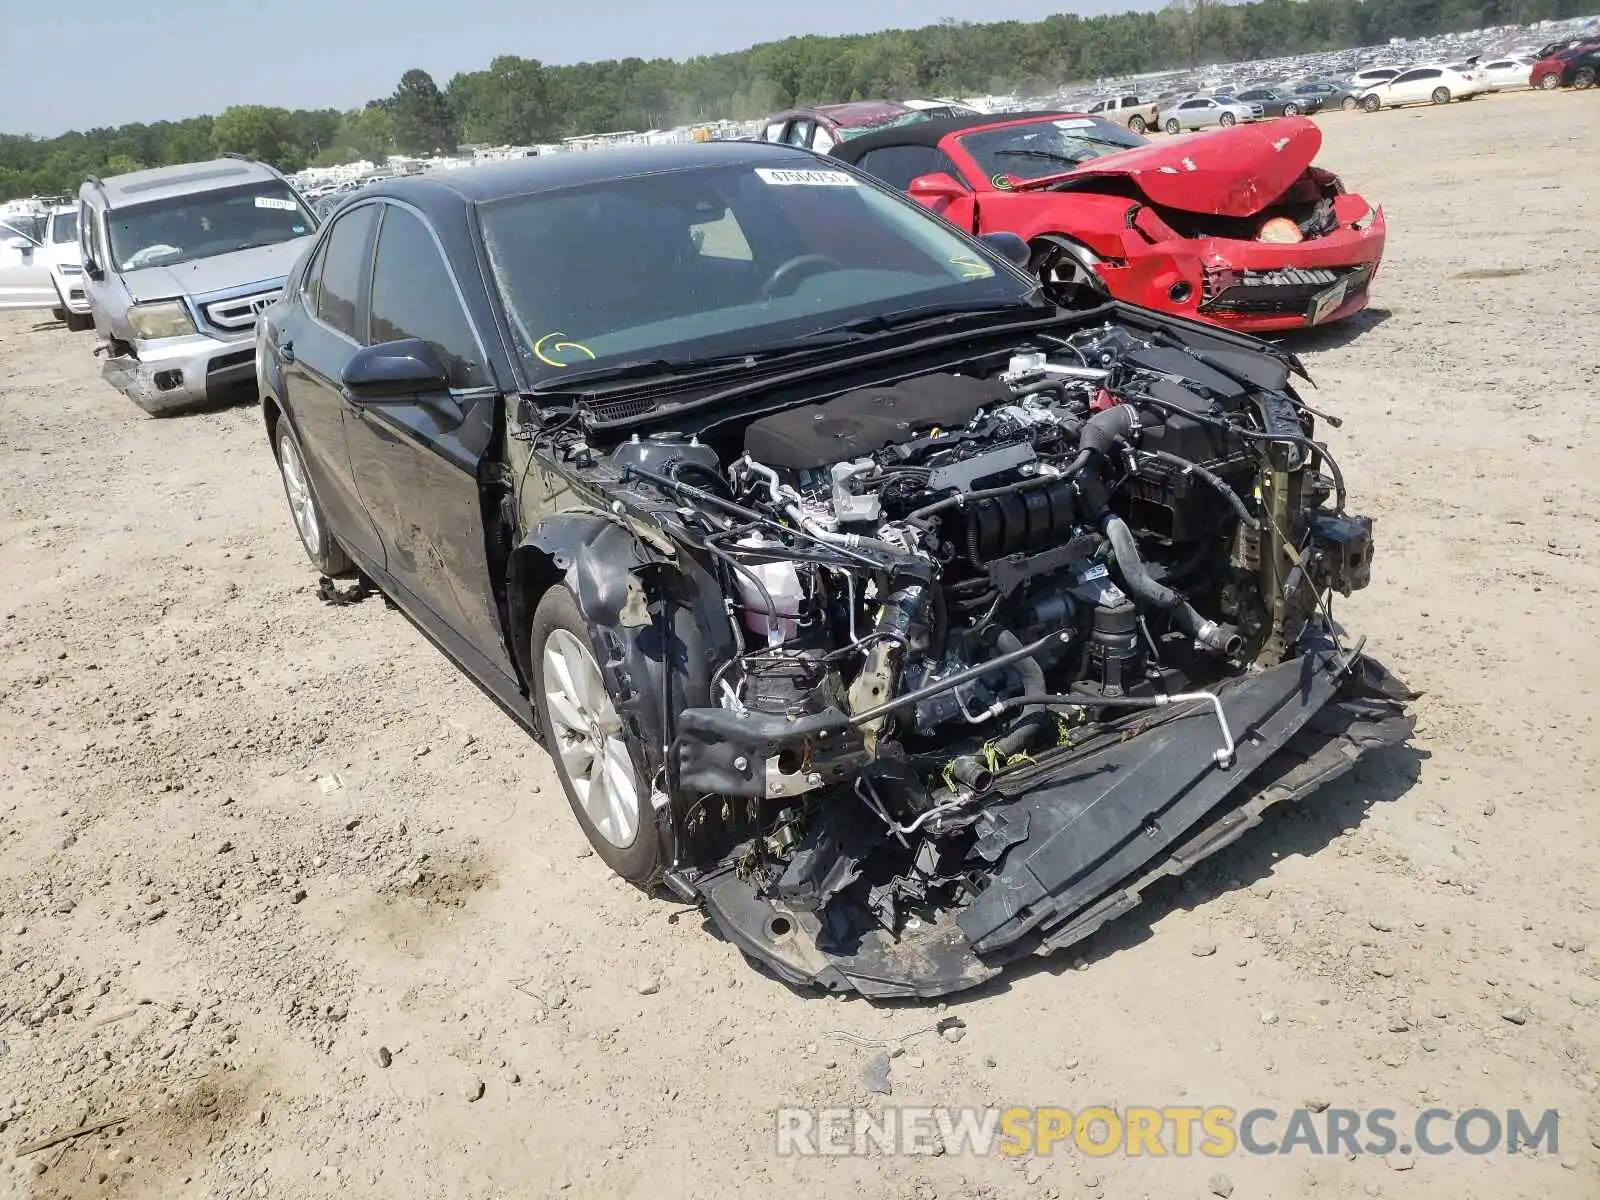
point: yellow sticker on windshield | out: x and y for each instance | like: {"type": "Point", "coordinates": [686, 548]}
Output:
{"type": "Point", "coordinates": [1002, 182]}
{"type": "Point", "coordinates": [548, 345]}
{"type": "Point", "coordinates": [971, 268]}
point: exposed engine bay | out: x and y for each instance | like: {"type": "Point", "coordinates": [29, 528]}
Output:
{"type": "Point", "coordinates": [1004, 643]}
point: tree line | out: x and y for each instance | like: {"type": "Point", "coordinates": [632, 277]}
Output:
{"type": "Point", "coordinates": [520, 101]}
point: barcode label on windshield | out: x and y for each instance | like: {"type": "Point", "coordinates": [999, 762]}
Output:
{"type": "Point", "coordinates": [806, 178]}
{"type": "Point", "coordinates": [274, 202]}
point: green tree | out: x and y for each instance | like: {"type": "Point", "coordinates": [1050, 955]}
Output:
{"type": "Point", "coordinates": [366, 133]}
{"type": "Point", "coordinates": [266, 134]}
{"type": "Point", "coordinates": [423, 123]}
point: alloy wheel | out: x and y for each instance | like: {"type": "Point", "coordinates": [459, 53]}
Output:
{"type": "Point", "coordinates": [587, 735]}
{"type": "Point", "coordinates": [295, 485]}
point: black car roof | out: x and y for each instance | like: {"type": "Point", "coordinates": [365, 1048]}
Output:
{"type": "Point", "coordinates": [548, 172]}
{"type": "Point", "coordinates": [931, 133]}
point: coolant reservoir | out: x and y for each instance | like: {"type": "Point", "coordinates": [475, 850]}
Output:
{"type": "Point", "coordinates": [781, 621]}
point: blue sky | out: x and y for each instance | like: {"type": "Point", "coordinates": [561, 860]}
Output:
{"type": "Point", "coordinates": [77, 64]}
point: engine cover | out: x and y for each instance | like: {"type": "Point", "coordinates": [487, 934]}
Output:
{"type": "Point", "coordinates": [861, 422]}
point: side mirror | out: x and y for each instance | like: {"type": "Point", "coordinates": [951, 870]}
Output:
{"type": "Point", "coordinates": [1010, 247]}
{"type": "Point", "coordinates": [937, 186]}
{"type": "Point", "coordinates": [18, 243]}
{"type": "Point", "coordinates": [391, 370]}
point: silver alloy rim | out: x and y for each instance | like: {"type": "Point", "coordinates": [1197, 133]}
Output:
{"type": "Point", "coordinates": [588, 737]}
{"type": "Point", "coordinates": [301, 505]}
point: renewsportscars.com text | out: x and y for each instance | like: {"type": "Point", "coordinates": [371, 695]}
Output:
{"type": "Point", "coordinates": [1159, 1131]}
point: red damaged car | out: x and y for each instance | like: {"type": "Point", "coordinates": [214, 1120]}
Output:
{"type": "Point", "coordinates": [1235, 226]}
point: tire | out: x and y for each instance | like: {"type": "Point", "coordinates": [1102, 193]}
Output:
{"type": "Point", "coordinates": [1227, 120]}
{"type": "Point", "coordinates": [1370, 104]}
{"type": "Point", "coordinates": [1348, 104]}
{"type": "Point", "coordinates": [587, 739]}
{"type": "Point", "coordinates": [1440, 95]}
{"type": "Point", "coordinates": [1137, 125]}
{"type": "Point", "coordinates": [1173, 127]}
{"type": "Point", "coordinates": [1550, 82]}
{"type": "Point", "coordinates": [1291, 110]}
{"type": "Point", "coordinates": [309, 520]}
{"type": "Point", "coordinates": [1584, 79]}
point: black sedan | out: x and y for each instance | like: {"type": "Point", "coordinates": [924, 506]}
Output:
{"type": "Point", "coordinates": [1276, 102]}
{"type": "Point", "coordinates": [861, 592]}
{"type": "Point", "coordinates": [1328, 93]}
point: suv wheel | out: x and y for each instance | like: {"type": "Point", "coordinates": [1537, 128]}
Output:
{"type": "Point", "coordinates": [328, 556]}
{"type": "Point", "coordinates": [595, 756]}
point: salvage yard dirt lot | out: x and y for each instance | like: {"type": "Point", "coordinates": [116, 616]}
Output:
{"type": "Point", "coordinates": [287, 901]}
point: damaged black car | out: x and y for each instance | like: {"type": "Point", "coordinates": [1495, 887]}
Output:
{"type": "Point", "coordinates": [903, 616]}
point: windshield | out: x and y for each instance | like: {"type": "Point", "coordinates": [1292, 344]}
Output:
{"type": "Point", "coordinates": [910, 118]}
{"type": "Point", "coordinates": [205, 224]}
{"type": "Point", "coordinates": [1039, 148]}
{"type": "Point", "coordinates": [713, 261]}
{"type": "Point", "coordinates": [64, 228]}
{"type": "Point", "coordinates": [23, 225]}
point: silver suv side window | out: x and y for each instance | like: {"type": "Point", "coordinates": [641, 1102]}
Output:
{"type": "Point", "coordinates": [344, 264]}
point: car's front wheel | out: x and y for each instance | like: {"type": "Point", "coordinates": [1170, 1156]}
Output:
{"type": "Point", "coordinates": [1440, 95]}
{"type": "Point", "coordinates": [595, 756]}
{"type": "Point", "coordinates": [1291, 110]}
{"type": "Point", "coordinates": [321, 548]}
{"type": "Point", "coordinates": [1137, 125]}
{"type": "Point", "coordinates": [1371, 103]}
{"type": "Point", "coordinates": [1227, 120]}
{"type": "Point", "coordinates": [1173, 126]}
{"type": "Point", "coordinates": [1348, 104]}
{"type": "Point", "coordinates": [1549, 83]}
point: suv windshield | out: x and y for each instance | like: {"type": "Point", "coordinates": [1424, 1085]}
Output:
{"type": "Point", "coordinates": [64, 228]}
{"type": "Point", "coordinates": [1041, 148]}
{"type": "Point", "coordinates": [205, 224]}
{"type": "Point", "coordinates": [707, 262]}
{"type": "Point", "coordinates": [911, 118]}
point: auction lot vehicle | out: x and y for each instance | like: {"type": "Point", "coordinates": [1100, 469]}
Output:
{"type": "Point", "coordinates": [1575, 67]}
{"type": "Point", "coordinates": [1135, 114]}
{"type": "Point", "coordinates": [1208, 112]}
{"type": "Point", "coordinates": [24, 263]}
{"type": "Point", "coordinates": [178, 262]}
{"type": "Point", "coordinates": [1506, 74]}
{"type": "Point", "coordinates": [824, 126]}
{"type": "Point", "coordinates": [1437, 84]}
{"type": "Point", "coordinates": [904, 620]}
{"type": "Point", "coordinates": [1279, 102]}
{"type": "Point", "coordinates": [66, 268]}
{"type": "Point", "coordinates": [1234, 227]}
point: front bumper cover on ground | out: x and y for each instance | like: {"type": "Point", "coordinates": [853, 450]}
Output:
{"type": "Point", "coordinates": [1097, 831]}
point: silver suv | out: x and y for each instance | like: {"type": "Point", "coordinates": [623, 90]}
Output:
{"type": "Point", "coordinates": [178, 262]}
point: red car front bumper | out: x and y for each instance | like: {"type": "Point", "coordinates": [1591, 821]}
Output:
{"type": "Point", "coordinates": [1258, 287]}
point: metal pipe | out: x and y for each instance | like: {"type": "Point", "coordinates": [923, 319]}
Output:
{"type": "Point", "coordinates": [952, 681]}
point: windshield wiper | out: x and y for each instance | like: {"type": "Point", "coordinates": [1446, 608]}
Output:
{"type": "Point", "coordinates": [923, 314]}
{"type": "Point", "coordinates": [641, 368]}
{"type": "Point", "coordinates": [1044, 154]}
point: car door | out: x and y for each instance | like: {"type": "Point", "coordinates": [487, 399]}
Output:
{"type": "Point", "coordinates": [25, 280]}
{"type": "Point", "coordinates": [319, 332]}
{"type": "Point", "coordinates": [1411, 86]}
{"type": "Point", "coordinates": [416, 457]}
{"type": "Point", "coordinates": [1197, 114]}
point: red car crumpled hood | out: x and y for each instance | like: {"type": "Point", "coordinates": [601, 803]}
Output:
{"type": "Point", "coordinates": [1228, 172]}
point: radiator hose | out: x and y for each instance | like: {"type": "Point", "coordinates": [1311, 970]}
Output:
{"type": "Point", "coordinates": [1210, 635]}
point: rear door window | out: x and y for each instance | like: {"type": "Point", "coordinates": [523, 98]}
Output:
{"type": "Point", "coordinates": [414, 296]}
{"type": "Point", "coordinates": [344, 267]}
{"type": "Point", "coordinates": [899, 165]}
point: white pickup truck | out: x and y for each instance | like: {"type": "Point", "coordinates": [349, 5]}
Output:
{"type": "Point", "coordinates": [1138, 115]}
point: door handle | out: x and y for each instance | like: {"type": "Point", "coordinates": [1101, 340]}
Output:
{"type": "Point", "coordinates": [286, 351]}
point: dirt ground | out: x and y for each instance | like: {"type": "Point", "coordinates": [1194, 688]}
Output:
{"type": "Point", "coordinates": [289, 902]}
